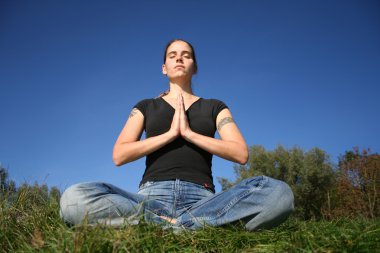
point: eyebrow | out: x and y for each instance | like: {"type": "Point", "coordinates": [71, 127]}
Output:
{"type": "Point", "coordinates": [183, 52]}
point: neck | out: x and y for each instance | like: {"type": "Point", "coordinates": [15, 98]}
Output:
{"type": "Point", "coordinates": [177, 88]}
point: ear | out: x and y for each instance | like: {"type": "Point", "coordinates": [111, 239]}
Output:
{"type": "Point", "coordinates": [164, 69]}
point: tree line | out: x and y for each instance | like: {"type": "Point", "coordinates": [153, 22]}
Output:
{"type": "Point", "coordinates": [26, 194]}
{"type": "Point", "coordinates": [321, 189]}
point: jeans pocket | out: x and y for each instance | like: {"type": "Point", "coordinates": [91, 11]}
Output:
{"type": "Point", "coordinates": [146, 185]}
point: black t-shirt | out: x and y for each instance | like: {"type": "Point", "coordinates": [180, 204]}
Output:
{"type": "Point", "coordinates": [180, 159]}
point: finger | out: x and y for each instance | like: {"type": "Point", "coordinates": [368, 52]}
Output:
{"type": "Point", "coordinates": [180, 104]}
{"type": "Point", "coordinates": [179, 109]}
{"type": "Point", "coordinates": [180, 100]}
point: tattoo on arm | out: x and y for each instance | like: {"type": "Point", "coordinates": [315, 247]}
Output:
{"type": "Point", "coordinates": [224, 121]}
{"type": "Point", "coordinates": [133, 113]}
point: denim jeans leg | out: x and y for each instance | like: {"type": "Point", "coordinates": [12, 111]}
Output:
{"type": "Point", "coordinates": [259, 202]}
{"type": "Point", "coordinates": [96, 202]}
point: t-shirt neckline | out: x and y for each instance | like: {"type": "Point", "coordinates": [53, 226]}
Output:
{"type": "Point", "coordinates": [166, 102]}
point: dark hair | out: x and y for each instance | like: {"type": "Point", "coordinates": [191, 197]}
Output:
{"type": "Point", "coordinates": [192, 52]}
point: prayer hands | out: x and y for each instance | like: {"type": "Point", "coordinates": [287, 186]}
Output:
{"type": "Point", "coordinates": [180, 124]}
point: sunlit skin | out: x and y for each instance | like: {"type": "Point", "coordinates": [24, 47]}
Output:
{"type": "Point", "coordinates": [179, 64]}
{"type": "Point", "coordinates": [179, 69]}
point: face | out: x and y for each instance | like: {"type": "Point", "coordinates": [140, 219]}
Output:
{"type": "Point", "coordinates": [179, 60]}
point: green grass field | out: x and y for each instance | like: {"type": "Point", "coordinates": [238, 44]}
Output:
{"type": "Point", "coordinates": [30, 223]}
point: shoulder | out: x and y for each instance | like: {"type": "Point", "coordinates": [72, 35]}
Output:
{"type": "Point", "coordinates": [144, 104]}
{"type": "Point", "coordinates": [210, 100]}
{"type": "Point", "coordinates": [144, 101]}
{"type": "Point", "coordinates": [215, 103]}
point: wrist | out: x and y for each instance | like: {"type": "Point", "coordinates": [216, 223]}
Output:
{"type": "Point", "coordinates": [188, 135]}
{"type": "Point", "coordinates": [171, 135]}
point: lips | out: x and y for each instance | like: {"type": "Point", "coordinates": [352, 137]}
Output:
{"type": "Point", "coordinates": [179, 66]}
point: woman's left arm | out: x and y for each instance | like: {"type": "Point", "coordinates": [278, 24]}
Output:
{"type": "Point", "coordinates": [231, 146]}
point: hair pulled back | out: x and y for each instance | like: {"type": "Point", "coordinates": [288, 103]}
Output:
{"type": "Point", "coordinates": [192, 52]}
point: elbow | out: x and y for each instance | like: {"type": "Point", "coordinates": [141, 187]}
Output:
{"type": "Point", "coordinates": [243, 160]}
{"type": "Point", "coordinates": [117, 161]}
{"type": "Point", "coordinates": [243, 157]}
{"type": "Point", "coordinates": [117, 164]}
{"type": "Point", "coordinates": [121, 157]}
{"type": "Point", "coordinates": [117, 158]}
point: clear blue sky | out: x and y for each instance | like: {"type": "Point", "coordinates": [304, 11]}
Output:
{"type": "Point", "coordinates": [303, 73]}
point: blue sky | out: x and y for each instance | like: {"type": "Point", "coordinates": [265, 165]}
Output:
{"type": "Point", "coordinates": [303, 73]}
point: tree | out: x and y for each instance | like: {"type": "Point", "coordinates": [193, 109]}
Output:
{"type": "Point", "coordinates": [357, 187]}
{"type": "Point", "coordinates": [6, 185]}
{"type": "Point", "coordinates": [3, 179]}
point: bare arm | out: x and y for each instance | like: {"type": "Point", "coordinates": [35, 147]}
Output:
{"type": "Point", "coordinates": [129, 147]}
{"type": "Point", "coordinates": [231, 146]}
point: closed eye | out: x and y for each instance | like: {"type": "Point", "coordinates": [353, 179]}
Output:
{"type": "Point", "coordinates": [171, 54]}
{"type": "Point", "coordinates": [186, 54]}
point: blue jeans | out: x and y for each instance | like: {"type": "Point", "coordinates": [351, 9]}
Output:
{"type": "Point", "coordinates": [259, 202]}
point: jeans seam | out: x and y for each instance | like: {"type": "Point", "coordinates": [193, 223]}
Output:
{"type": "Point", "coordinates": [232, 202]}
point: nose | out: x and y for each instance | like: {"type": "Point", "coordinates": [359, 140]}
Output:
{"type": "Point", "coordinates": [179, 58]}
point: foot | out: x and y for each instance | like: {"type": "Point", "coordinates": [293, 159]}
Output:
{"type": "Point", "coordinates": [170, 220]}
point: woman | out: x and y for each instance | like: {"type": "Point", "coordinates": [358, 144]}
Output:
{"type": "Point", "coordinates": [177, 186]}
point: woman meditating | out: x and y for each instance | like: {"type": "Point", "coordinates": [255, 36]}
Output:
{"type": "Point", "coordinates": [177, 186]}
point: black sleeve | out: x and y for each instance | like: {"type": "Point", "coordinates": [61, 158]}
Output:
{"type": "Point", "coordinates": [217, 108]}
{"type": "Point", "coordinates": [142, 105]}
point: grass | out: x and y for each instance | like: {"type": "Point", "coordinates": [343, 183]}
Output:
{"type": "Point", "coordinates": [31, 223]}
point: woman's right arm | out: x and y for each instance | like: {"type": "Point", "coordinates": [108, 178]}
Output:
{"type": "Point", "coordinates": [129, 147]}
